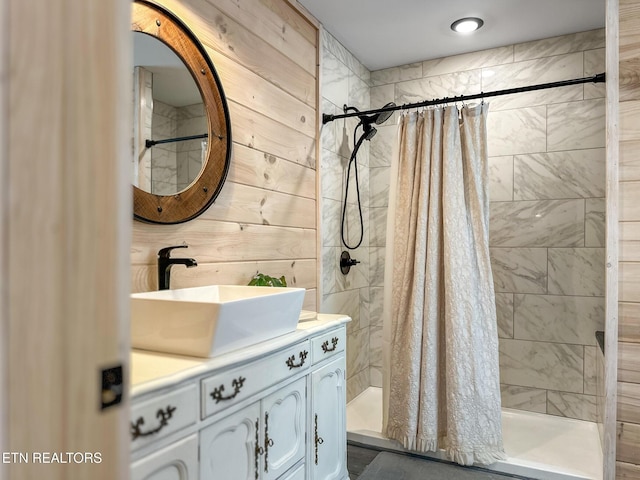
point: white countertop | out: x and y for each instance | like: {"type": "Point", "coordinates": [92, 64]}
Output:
{"type": "Point", "coordinates": [152, 370]}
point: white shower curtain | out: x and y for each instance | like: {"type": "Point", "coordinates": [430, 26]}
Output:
{"type": "Point", "coordinates": [442, 388]}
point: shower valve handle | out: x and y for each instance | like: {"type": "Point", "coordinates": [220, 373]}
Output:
{"type": "Point", "coordinates": [346, 262]}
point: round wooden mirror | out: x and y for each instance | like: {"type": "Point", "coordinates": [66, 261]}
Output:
{"type": "Point", "coordinates": [178, 168]}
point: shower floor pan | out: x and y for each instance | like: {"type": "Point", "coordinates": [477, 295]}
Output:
{"type": "Point", "coordinates": [538, 446]}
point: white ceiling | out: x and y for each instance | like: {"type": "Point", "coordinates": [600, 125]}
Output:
{"type": "Point", "coordinates": [388, 33]}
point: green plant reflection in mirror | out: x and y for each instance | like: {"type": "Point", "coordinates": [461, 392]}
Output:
{"type": "Point", "coordinates": [168, 109]}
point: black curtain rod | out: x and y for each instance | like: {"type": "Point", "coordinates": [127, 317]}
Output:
{"type": "Point", "coordinates": [151, 143]}
{"type": "Point", "coordinates": [598, 78]}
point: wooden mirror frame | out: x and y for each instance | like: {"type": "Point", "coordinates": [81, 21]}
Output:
{"type": "Point", "coordinates": [153, 20]}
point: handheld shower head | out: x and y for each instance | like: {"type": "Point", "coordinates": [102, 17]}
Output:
{"type": "Point", "coordinates": [369, 131]}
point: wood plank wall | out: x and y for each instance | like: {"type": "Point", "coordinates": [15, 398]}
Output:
{"type": "Point", "coordinates": [266, 54]}
{"type": "Point", "coordinates": [4, 227]}
{"type": "Point", "coordinates": [64, 85]}
{"type": "Point", "coordinates": [628, 414]}
{"type": "Point", "coordinates": [609, 426]}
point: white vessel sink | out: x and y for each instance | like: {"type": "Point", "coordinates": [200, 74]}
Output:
{"type": "Point", "coordinates": [211, 320]}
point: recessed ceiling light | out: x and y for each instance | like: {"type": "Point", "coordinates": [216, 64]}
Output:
{"type": "Point", "coordinates": [467, 25]}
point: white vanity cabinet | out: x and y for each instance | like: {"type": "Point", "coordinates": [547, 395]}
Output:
{"type": "Point", "coordinates": [327, 421]}
{"type": "Point", "coordinates": [329, 429]}
{"type": "Point", "coordinates": [229, 446]}
{"type": "Point", "coordinates": [274, 411]}
{"type": "Point", "coordinates": [178, 461]}
{"type": "Point", "coordinates": [262, 440]}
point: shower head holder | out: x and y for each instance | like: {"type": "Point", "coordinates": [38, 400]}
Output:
{"type": "Point", "coordinates": [377, 118]}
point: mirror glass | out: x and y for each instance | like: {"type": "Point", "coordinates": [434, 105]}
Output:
{"type": "Point", "coordinates": [170, 124]}
{"type": "Point", "coordinates": [182, 132]}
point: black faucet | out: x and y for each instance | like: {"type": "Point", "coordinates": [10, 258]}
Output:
{"type": "Point", "coordinates": [165, 262]}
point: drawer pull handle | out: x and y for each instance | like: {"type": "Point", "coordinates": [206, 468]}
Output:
{"type": "Point", "coordinates": [161, 414]}
{"type": "Point", "coordinates": [291, 361]}
{"type": "Point", "coordinates": [258, 450]}
{"type": "Point", "coordinates": [318, 439]}
{"type": "Point", "coordinates": [334, 344]}
{"type": "Point", "coordinates": [268, 442]}
{"type": "Point", "coordinates": [237, 384]}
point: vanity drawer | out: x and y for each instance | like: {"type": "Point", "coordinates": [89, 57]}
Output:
{"type": "Point", "coordinates": [328, 344]}
{"type": "Point", "coordinates": [228, 388]}
{"type": "Point", "coordinates": [163, 415]}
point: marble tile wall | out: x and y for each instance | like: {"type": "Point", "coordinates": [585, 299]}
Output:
{"type": "Point", "coordinates": [191, 120]}
{"type": "Point", "coordinates": [546, 176]}
{"type": "Point", "coordinates": [163, 157]}
{"type": "Point", "coordinates": [344, 80]}
{"type": "Point", "coordinates": [143, 115]}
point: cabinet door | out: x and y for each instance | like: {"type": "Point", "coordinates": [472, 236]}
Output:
{"type": "Point", "coordinates": [178, 461]}
{"type": "Point", "coordinates": [284, 417]}
{"type": "Point", "coordinates": [228, 447]}
{"type": "Point", "coordinates": [296, 474]}
{"type": "Point", "coordinates": [328, 429]}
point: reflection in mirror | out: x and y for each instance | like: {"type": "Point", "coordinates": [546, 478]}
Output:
{"type": "Point", "coordinates": [170, 123]}
{"type": "Point", "coordinates": [173, 183]}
